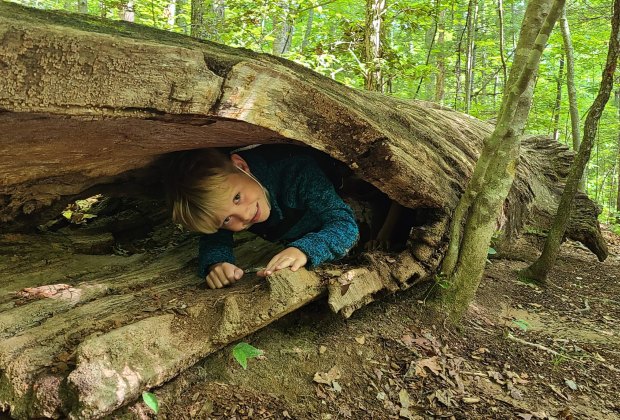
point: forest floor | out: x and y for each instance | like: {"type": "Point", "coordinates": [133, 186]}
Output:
{"type": "Point", "coordinates": [521, 352]}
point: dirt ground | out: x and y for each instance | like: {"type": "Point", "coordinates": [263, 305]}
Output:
{"type": "Point", "coordinates": [521, 352]}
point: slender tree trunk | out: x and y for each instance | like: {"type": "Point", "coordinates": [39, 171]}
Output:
{"type": "Point", "coordinates": [83, 6]}
{"type": "Point", "coordinates": [170, 13]}
{"type": "Point", "coordinates": [197, 25]}
{"type": "Point", "coordinates": [430, 42]}
{"type": "Point", "coordinates": [482, 201]}
{"type": "Point", "coordinates": [308, 31]}
{"type": "Point", "coordinates": [218, 8]}
{"type": "Point", "coordinates": [618, 160]}
{"type": "Point", "coordinates": [440, 86]}
{"type": "Point", "coordinates": [127, 11]}
{"type": "Point", "coordinates": [458, 68]}
{"type": "Point", "coordinates": [373, 48]}
{"type": "Point", "coordinates": [540, 268]}
{"type": "Point", "coordinates": [472, 12]}
{"type": "Point", "coordinates": [283, 29]}
{"type": "Point", "coordinates": [558, 101]}
{"type": "Point", "coordinates": [572, 91]}
{"type": "Point", "coordinates": [500, 13]}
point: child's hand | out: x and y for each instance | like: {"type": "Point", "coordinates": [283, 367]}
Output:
{"type": "Point", "coordinates": [290, 257]}
{"type": "Point", "coordinates": [223, 274]}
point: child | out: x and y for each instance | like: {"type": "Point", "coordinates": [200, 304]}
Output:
{"type": "Point", "coordinates": [268, 191]}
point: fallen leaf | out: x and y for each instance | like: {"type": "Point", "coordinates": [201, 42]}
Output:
{"type": "Point", "coordinates": [381, 396]}
{"type": "Point", "coordinates": [514, 392]}
{"type": "Point", "coordinates": [525, 416]}
{"type": "Point", "coordinates": [403, 397]}
{"type": "Point", "coordinates": [378, 374]}
{"type": "Point", "coordinates": [407, 339]}
{"type": "Point", "coordinates": [431, 363]}
{"type": "Point", "coordinates": [360, 339]}
{"type": "Point", "coordinates": [571, 384]}
{"type": "Point", "coordinates": [327, 378]}
{"type": "Point", "coordinates": [322, 349]}
{"type": "Point", "coordinates": [471, 400]}
{"type": "Point", "coordinates": [336, 386]}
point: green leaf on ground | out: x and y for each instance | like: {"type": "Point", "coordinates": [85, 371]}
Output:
{"type": "Point", "coordinates": [243, 351]}
{"type": "Point", "coordinates": [150, 400]}
{"type": "Point", "coordinates": [491, 251]}
{"type": "Point", "coordinates": [521, 323]}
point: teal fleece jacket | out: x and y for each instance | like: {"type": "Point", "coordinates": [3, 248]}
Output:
{"type": "Point", "coordinates": [306, 211]}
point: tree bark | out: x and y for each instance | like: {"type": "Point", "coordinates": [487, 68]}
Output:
{"type": "Point", "coordinates": [308, 31]}
{"type": "Point", "coordinates": [472, 15]}
{"type": "Point", "coordinates": [86, 111]}
{"type": "Point", "coordinates": [197, 25]}
{"type": "Point", "coordinates": [617, 218]}
{"type": "Point", "coordinates": [572, 91]}
{"type": "Point", "coordinates": [283, 29]}
{"type": "Point", "coordinates": [540, 268]}
{"type": "Point", "coordinates": [500, 14]}
{"type": "Point", "coordinates": [373, 44]}
{"type": "Point", "coordinates": [481, 202]}
{"type": "Point", "coordinates": [558, 101]}
{"type": "Point", "coordinates": [440, 86]}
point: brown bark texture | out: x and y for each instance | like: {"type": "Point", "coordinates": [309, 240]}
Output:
{"type": "Point", "coordinates": [89, 106]}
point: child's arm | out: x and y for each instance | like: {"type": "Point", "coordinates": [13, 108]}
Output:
{"type": "Point", "coordinates": [312, 190]}
{"type": "Point", "coordinates": [216, 259]}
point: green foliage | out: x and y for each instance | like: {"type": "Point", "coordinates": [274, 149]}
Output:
{"type": "Point", "coordinates": [244, 351]}
{"type": "Point", "coordinates": [151, 401]}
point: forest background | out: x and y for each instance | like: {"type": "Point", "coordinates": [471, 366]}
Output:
{"type": "Point", "coordinates": [455, 53]}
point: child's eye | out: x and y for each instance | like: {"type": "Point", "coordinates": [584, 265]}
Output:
{"type": "Point", "coordinates": [237, 198]}
{"type": "Point", "coordinates": [226, 221]}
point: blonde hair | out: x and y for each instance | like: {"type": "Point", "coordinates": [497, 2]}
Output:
{"type": "Point", "coordinates": [196, 188]}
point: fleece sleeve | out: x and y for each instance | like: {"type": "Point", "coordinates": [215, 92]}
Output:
{"type": "Point", "coordinates": [215, 248]}
{"type": "Point", "coordinates": [338, 231]}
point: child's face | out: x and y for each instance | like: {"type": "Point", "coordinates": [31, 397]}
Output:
{"type": "Point", "coordinates": [246, 205]}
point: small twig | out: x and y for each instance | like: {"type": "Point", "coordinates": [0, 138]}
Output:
{"type": "Point", "coordinates": [482, 375]}
{"type": "Point", "coordinates": [538, 346]}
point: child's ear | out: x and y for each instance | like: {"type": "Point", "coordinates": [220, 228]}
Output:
{"type": "Point", "coordinates": [239, 162]}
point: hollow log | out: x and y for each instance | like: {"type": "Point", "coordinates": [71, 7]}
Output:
{"type": "Point", "coordinates": [90, 106]}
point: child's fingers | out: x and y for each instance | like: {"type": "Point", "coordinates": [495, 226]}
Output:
{"type": "Point", "coordinates": [297, 265]}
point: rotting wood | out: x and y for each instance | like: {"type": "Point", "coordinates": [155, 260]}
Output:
{"type": "Point", "coordinates": [115, 336]}
{"type": "Point", "coordinates": [143, 318]}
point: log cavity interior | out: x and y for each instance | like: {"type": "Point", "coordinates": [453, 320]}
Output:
{"type": "Point", "coordinates": [127, 221]}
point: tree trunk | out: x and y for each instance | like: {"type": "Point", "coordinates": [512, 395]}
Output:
{"type": "Point", "coordinates": [500, 14]}
{"type": "Point", "coordinates": [308, 31]}
{"type": "Point", "coordinates": [540, 268]}
{"type": "Point", "coordinates": [218, 8]}
{"type": "Point", "coordinates": [482, 201]}
{"type": "Point", "coordinates": [617, 160]}
{"type": "Point", "coordinates": [373, 44]}
{"type": "Point", "coordinates": [127, 11]}
{"type": "Point", "coordinates": [472, 14]}
{"type": "Point", "coordinates": [83, 6]}
{"type": "Point", "coordinates": [74, 125]}
{"type": "Point", "coordinates": [572, 91]}
{"type": "Point", "coordinates": [197, 25]}
{"type": "Point", "coordinates": [558, 101]}
{"type": "Point", "coordinates": [440, 86]}
{"type": "Point", "coordinates": [282, 29]}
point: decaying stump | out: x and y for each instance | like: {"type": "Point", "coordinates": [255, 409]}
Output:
{"type": "Point", "coordinates": [88, 106]}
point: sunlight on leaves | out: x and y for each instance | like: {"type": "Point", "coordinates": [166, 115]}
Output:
{"type": "Point", "coordinates": [244, 351]}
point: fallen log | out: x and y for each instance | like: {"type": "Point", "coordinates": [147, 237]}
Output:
{"type": "Point", "coordinates": [89, 106]}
